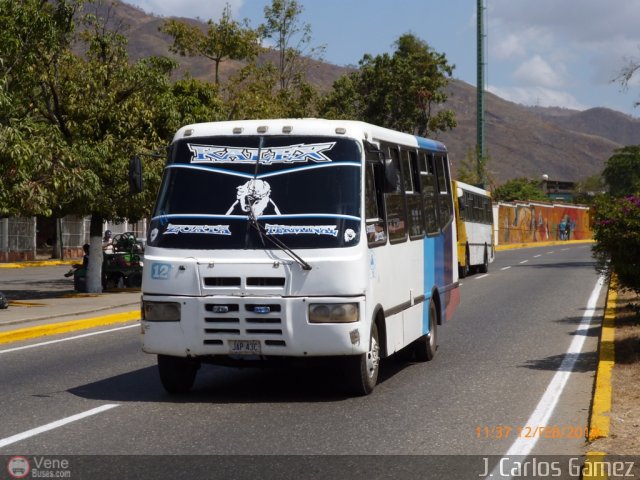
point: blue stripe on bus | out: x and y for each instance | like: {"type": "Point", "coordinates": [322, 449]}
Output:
{"type": "Point", "coordinates": [429, 279]}
{"type": "Point", "coordinates": [429, 144]}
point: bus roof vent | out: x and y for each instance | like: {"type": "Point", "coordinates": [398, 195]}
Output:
{"type": "Point", "coordinates": [287, 129]}
{"type": "Point", "coordinates": [188, 132]}
{"type": "Point", "coordinates": [263, 129]}
{"type": "Point", "coordinates": [341, 130]}
{"type": "Point", "coordinates": [237, 130]}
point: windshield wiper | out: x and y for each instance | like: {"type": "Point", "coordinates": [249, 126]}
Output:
{"type": "Point", "coordinates": [252, 198]}
{"type": "Point", "coordinates": [276, 241]}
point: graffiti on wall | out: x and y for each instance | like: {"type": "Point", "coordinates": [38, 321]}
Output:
{"type": "Point", "coordinates": [539, 222]}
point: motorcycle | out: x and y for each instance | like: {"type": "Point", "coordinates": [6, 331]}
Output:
{"type": "Point", "coordinates": [122, 268]}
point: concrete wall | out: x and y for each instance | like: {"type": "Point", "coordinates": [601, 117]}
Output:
{"type": "Point", "coordinates": [530, 222]}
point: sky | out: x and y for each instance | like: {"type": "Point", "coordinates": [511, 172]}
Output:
{"type": "Point", "coordinates": [561, 53]}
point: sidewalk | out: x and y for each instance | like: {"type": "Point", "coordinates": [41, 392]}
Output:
{"type": "Point", "coordinates": [61, 310]}
{"type": "Point", "coordinates": [27, 313]}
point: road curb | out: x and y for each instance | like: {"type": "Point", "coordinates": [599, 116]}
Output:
{"type": "Point", "coordinates": [513, 246]}
{"type": "Point", "coordinates": [39, 263]}
{"type": "Point", "coordinates": [18, 303]}
{"type": "Point", "coordinates": [601, 408]}
{"type": "Point", "coordinates": [600, 421]}
{"type": "Point", "coordinates": [65, 327]}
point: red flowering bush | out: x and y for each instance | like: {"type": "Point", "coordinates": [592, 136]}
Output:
{"type": "Point", "coordinates": [616, 229]}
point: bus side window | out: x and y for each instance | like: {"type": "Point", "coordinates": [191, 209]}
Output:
{"type": "Point", "coordinates": [427, 189]}
{"type": "Point", "coordinates": [444, 191]}
{"type": "Point", "coordinates": [395, 204]}
{"type": "Point", "coordinates": [415, 213]}
{"type": "Point", "coordinates": [375, 224]}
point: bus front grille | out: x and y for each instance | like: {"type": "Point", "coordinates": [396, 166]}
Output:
{"type": "Point", "coordinates": [245, 321]}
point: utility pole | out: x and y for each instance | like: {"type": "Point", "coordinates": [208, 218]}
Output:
{"type": "Point", "coordinates": [480, 147]}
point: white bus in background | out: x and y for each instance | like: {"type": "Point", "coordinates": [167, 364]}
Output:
{"type": "Point", "coordinates": [279, 239]}
{"type": "Point", "coordinates": [474, 218]}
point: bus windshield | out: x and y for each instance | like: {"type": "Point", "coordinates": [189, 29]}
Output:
{"type": "Point", "coordinates": [304, 190]}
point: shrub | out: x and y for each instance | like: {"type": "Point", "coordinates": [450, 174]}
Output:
{"type": "Point", "coordinates": [616, 228]}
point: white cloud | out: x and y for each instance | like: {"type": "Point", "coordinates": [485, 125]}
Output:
{"type": "Point", "coordinates": [538, 72]}
{"type": "Point", "coordinates": [538, 96]}
{"type": "Point", "coordinates": [596, 33]}
{"type": "Point", "coordinates": [205, 10]}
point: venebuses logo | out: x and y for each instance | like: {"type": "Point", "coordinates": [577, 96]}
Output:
{"type": "Point", "coordinates": [18, 467]}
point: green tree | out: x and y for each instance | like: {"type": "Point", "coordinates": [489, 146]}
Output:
{"type": "Point", "coordinates": [616, 217]}
{"type": "Point", "coordinates": [622, 171]}
{"type": "Point", "coordinates": [35, 171]}
{"type": "Point", "coordinates": [403, 91]}
{"type": "Point", "coordinates": [292, 40]}
{"type": "Point", "coordinates": [519, 189]}
{"type": "Point", "coordinates": [79, 118]}
{"type": "Point", "coordinates": [588, 189]}
{"type": "Point", "coordinates": [223, 40]}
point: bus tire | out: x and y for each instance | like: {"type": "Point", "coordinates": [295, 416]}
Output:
{"type": "Point", "coordinates": [463, 270]}
{"type": "Point", "coordinates": [361, 371]}
{"type": "Point", "coordinates": [177, 374]}
{"type": "Point", "coordinates": [424, 348]}
{"type": "Point", "coordinates": [484, 267]}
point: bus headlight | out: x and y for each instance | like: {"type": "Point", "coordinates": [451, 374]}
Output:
{"type": "Point", "coordinates": [161, 311]}
{"type": "Point", "coordinates": [333, 312]}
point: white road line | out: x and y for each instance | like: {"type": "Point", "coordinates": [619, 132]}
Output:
{"type": "Point", "coordinates": [564, 249]}
{"type": "Point", "coordinates": [543, 411]}
{"type": "Point", "coordinates": [482, 276]}
{"type": "Point", "coordinates": [537, 256]}
{"type": "Point", "coordinates": [506, 268]}
{"type": "Point", "coordinates": [76, 337]}
{"type": "Point", "coordinates": [50, 426]}
{"type": "Point", "coordinates": [552, 251]}
{"type": "Point", "coordinates": [524, 261]}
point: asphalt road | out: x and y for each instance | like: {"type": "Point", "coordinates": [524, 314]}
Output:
{"type": "Point", "coordinates": [496, 359]}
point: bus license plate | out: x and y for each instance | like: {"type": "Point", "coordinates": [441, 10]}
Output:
{"type": "Point", "coordinates": [244, 347]}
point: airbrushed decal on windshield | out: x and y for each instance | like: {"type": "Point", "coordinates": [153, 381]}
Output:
{"type": "Point", "coordinates": [254, 195]}
{"type": "Point", "coordinates": [301, 229]}
{"type": "Point", "coordinates": [203, 229]}
{"type": "Point", "coordinates": [313, 152]}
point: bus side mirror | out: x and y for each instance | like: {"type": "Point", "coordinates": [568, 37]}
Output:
{"type": "Point", "coordinates": [135, 175]}
{"type": "Point", "coordinates": [461, 204]}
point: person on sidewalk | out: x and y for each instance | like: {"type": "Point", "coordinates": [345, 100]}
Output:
{"type": "Point", "coordinates": [107, 242]}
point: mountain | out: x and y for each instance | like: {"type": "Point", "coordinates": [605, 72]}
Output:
{"type": "Point", "coordinates": [564, 144]}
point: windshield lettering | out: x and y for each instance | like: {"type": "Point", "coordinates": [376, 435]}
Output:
{"type": "Point", "coordinates": [204, 229]}
{"type": "Point", "coordinates": [301, 229]}
{"type": "Point", "coordinates": [288, 154]}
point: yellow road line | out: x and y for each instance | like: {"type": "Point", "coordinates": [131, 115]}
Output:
{"type": "Point", "coordinates": [64, 327]}
{"type": "Point", "coordinates": [600, 419]}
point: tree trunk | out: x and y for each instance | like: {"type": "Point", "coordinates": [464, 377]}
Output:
{"type": "Point", "coordinates": [94, 271]}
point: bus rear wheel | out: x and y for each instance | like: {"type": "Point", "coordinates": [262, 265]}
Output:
{"type": "Point", "coordinates": [361, 371]}
{"type": "Point", "coordinates": [463, 270]}
{"type": "Point", "coordinates": [177, 374]}
{"type": "Point", "coordinates": [424, 348]}
{"type": "Point", "coordinates": [484, 268]}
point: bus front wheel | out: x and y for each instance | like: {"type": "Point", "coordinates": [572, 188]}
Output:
{"type": "Point", "coordinates": [177, 374]}
{"type": "Point", "coordinates": [361, 371]}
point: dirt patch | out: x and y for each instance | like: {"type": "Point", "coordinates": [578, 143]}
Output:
{"type": "Point", "coordinates": [624, 434]}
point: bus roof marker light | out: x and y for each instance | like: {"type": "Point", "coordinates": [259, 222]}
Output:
{"type": "Point", "coordinates": [263, 129]}
{"type": "Point", "coordinates": [341, 130]}
{"type": "Point", "coordinates": [237, 130]}
{"type": "Point", "coordinates": [188, 132]}
{"type": "Point", "coordinates": [287, 129]}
